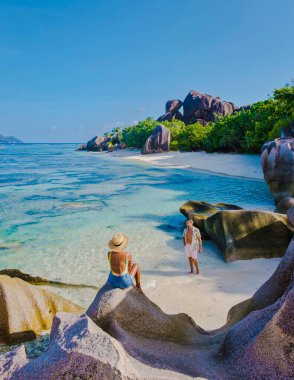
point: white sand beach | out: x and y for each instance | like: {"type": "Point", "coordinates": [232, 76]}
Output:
{"type": "Point", "coordinates": [237, 165]}
{"type": "Point", "coordinates": [207, 297]}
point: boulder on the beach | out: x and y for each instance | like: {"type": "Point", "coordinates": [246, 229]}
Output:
{"type": "Point", "coordinates": [98, 144]}
{"type": "Point", "coordinates": [245, 234]}
{"type": "Point", "coordinates": [262, 342]}
{"type": "Point", "coordinates": [199, 211]}
{"type": "Point", "coordinates": [284, 205]}
{"type": "Point", "coordinates": [290, 216]}
{"type": "Point", "coordinates": [159, 140]}
{"type": "Point", "coordinates": [27, 310]}
{"type": "Point", "coordinates": [277, 159]}
{"type": "Point", "coordinates": [128, 313]}
{"type": "Point", "coordinates": [125, 336]}
{"type": "Point", "coordinates": [79, 349]}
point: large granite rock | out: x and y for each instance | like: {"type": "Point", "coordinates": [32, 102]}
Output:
{"type": "Point", "coordinates": [159, 140]}
{"type": "Point", "coordinates": [127, 313]}
{"type": "Point", "coordinates": [284, 205]}
{"type": "Point", "coordinates": [198, 108]}
{"type": "Point", "coordinates": [277, 159]}
{"type": "Point", "coordinates": [261, 344]}
{"type": "Point", "coordinates": [205, 107]}
{"type": "Point", "coordinates": [27, 310]}
{"type": "Point", "coordinates": [79, 349]}
{"type": "Point", "coordinates": [98, 144]}
{"type": "Point", "coordinates": [133, 339]}
{"type": "Point", "coordinates": [246, 234]}
{"type": "Point", "coordinates": [199, 211]}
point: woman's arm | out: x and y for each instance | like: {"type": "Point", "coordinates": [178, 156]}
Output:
{"type": "Point", "coordinates": [199, 242]}
{"type": "Point", "coordinates": [130, 262]}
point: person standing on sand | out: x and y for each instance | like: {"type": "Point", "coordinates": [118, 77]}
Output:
{"type": "Point", "coordinates": [121, 264]}
{"type": "Point", "coordinates": [192, 243]}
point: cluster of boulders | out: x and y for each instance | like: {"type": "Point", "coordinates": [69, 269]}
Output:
{"type": "Point", "coordinates": [197, 107]}
{"type": "Point", "coordinates": [240, 234]}
{"type": "Point", "coordinates": [102, 144]}
{"type": "Point", "coordinates": [124, 335]}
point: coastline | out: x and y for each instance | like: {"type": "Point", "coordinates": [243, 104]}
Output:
{"type": "Point", "coordinates": [208, 297]}
{"type": "Point", "coordinates": [224, 164]}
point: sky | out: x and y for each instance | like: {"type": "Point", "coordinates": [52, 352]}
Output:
{"type": "Point", "coordinates": [73, 69]}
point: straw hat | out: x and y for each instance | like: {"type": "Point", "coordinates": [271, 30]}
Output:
{"type": "Point", "coordinates": [118, 242]}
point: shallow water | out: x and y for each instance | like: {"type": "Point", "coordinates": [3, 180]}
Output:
{"type": "Point", "coordinates": [59, 208]}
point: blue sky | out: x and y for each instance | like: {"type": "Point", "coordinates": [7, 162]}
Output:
{"type": "Point", "coordinates": [74, 69]}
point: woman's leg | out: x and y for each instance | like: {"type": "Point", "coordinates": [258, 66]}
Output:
{"type": "Point", "coordinates": [135, 272]}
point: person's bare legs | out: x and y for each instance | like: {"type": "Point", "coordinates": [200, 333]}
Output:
{"type": "Point", "coordinates": [135, 272]}
{"type": "Point", "coordinates": [191, 264]}
{"type": "Point", "coordinates": [195, 261]}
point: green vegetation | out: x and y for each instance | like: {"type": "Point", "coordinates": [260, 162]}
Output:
{"type": "Point", "coordinates": [245, 131]}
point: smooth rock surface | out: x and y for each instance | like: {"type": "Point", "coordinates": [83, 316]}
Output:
{"type": "Point", "coordinates": [27, 310]}
{"type": "Point", "coordinates": [284, 205]}
{"type": "Point", "coordinates": [245, 234]}
{"type": "Point", "coordinates": [158, 142]}
{"type": "Point", "coordinates": [199, 211]}
{"type": "Point", "coordinates": [277, 160]}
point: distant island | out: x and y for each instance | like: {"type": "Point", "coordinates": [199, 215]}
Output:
{"type": "Point", "coordinates": [9, 140]}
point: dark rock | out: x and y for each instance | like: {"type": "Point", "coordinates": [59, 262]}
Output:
{"type": "Point", "coordinates": [199, 211]}
{"type": "Point", "coordinates": [98, 144]}
{"type": "Point", "coordinates": [166, 117]}
{"type": "Point", "coordinates": [245, 234]}
{"type": "Point", "coordinates": [173, 106]}
{"type": "Point", "coordinates": [284, 205]}
{"type": "Point", "coordinates": [290, 217]}
{"type": "Point", "coordinates": [82, 147]}
{"type": "Point", "coordinates": [158, 142]}
{"type": "Point", "coordinates": [277, 160]}
{"type": "Point", "coordinates": [288, 131]}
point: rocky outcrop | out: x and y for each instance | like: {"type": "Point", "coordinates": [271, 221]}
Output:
{"type": "Point", "coordinates": [199, 211]}
{"type": "Point", "coordinates": [159, 140]}
{"type": "Point", "coordinates": [79, 349]}
{"type": "Point", "coordinates": [284, 205]}
{"type": "Point", "coordinates": [102, 144]}
{"type": "Point", "coordinates": [27, 310]}
{"type": "Point", "coordinates": [262, 342]}
{"type": "Point", "coordinates": [125, 336]}
{"type": "Point", "coordinates": [277, 159]}
{"type": "Point", "coordinates": [198, 108]}
{"type": "Point", "coordinates": [246, 234]}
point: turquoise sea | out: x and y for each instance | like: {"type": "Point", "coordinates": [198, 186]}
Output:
{"type": "Point", "coordinates": [59, 208]}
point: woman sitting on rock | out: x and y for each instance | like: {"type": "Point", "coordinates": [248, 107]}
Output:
{"type": "Point", "coordinates": [121, 264]}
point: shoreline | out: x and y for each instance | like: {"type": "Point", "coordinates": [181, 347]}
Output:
{"type": "Point", "coordinates": [206, 298]}
{"type": "Point", "coordinates": [244, 166]}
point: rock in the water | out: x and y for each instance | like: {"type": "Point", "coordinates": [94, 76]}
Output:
{"type": "Point", "coordinates": [284, 205]}
{"type": "Point", "coordinates": [98, 144]}
{"type": "Point", "coordinates": [27, 310]}
{"type": "Point", "coordinates": [246, 234]}
{"type": "Point", "coordinates": [199, 211]}
{"type": "Point", "coordinates": [82, 147]}
{"type": "Point", "coordinates": [159, 140]}
{"type": "Point", "coordinates": [277, 159]}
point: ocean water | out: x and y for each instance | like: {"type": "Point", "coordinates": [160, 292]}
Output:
{"type": "Point", "coordinates": [59, 208]}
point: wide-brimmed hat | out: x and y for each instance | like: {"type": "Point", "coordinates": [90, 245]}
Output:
{"type": "Point", "coordinates": [118, 242]}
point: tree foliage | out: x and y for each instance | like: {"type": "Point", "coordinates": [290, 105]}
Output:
{"type": "Point", "coordinates": [244, 131]}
